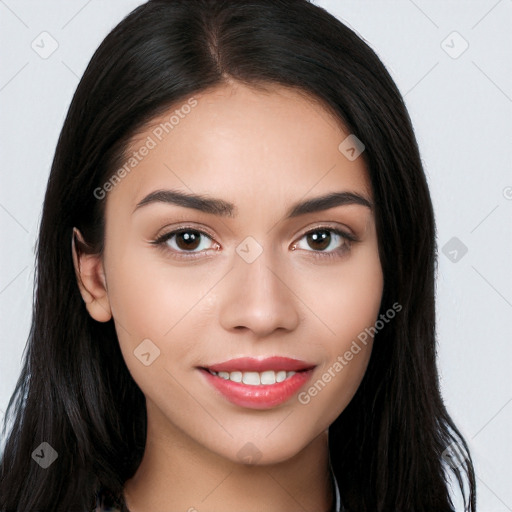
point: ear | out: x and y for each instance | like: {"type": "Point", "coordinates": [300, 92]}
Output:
{"type": "Point", "coordinates": [91, 280]}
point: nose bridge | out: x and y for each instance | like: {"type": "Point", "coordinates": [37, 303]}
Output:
{"type": "Point", "coordinates": [261, 277]}
{"type": "Point", "coordinates": [257, 296]}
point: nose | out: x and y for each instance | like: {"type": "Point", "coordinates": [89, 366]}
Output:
{"type": "Point", "coordinates": [258, 296]}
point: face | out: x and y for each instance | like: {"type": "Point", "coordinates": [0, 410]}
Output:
{"type": "Point", "coordinates": [253, 275]}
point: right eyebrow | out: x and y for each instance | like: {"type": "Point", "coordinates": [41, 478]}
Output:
{"type": "Point", "coordinates": [204, 204]}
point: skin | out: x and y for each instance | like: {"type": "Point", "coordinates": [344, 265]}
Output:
{"type": "Point", "coordinates": [263, 152]}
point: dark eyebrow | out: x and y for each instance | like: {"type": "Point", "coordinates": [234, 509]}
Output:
{"type": "Point", "coordinates": [318, 204]}
{"type": "Point", "coordinates": [225, 209]}
{"type": "Point", "coordinates": [197, 202]}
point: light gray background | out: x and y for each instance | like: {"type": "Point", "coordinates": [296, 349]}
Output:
{"type": "Point", "coordinates": [461, 108]}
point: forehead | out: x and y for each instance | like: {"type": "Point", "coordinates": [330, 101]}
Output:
{"type": "Point", "coordinates": [241, 143]}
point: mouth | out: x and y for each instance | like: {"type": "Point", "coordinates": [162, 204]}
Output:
{"type": "Point", "coordinates": [258, 383]}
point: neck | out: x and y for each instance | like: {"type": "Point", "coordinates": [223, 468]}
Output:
{"type": "Point", "coordinates": [176, 473]}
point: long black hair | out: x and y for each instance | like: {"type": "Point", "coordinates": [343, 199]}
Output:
{"type": "Point", "coordinates": [391, 448]}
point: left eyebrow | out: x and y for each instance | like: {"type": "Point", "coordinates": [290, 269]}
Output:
{"type": "Point", "coordinates": [220, 207]}
{"type": "Point", "coordinates": [318, 204]}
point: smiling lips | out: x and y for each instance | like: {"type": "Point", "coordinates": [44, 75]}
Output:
{"type": "Point", "coordinates": [258, 383]}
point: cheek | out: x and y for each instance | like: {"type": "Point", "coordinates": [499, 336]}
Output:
{"type": "Point", "coordinates": [360, 294]}
{"type": "Point", "coordinates": [149, 297]}
{"type": "Point", "coordinates": [151, 300]}
{"type": "Point", "coordinates": [149, 304]}
{"type": "Point", "coordinates": [347, 302]}
{"type": "Point", "coordinates": [345, 298]}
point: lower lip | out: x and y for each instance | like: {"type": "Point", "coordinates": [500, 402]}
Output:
{"type": "Point", "coordinates": [258, 397]}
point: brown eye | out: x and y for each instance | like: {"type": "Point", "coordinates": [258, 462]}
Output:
{"type": "Point", "coordinates": [183, 241]}
{"type": "Point", "coordinates": [319, 240]}
{"type": "Point", "coordinates": [188, 240]}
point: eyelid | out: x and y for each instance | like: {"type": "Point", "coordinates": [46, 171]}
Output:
{"type": "Point", "coordinates": [345, 231]}
{"type": "Point", "coordinates": [167, 230]}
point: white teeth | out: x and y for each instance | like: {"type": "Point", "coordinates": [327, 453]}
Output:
{"type": "Point", "coordinates": [255, 378]}
{"type": "Point", "coordinates": [252, 378]}
{"type": "Point", "coordinates": [235, 376]}
{"type": "Point", "coordinates": [268, 377]}
{"type": "Point", "coordinates": [280, 376]}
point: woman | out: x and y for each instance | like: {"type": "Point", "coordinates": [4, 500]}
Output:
{"type": "Point", "coordinates": [235, 280]}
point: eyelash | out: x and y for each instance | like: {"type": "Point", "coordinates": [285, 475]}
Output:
{"type": "Point", "coordinates": [348, 238]}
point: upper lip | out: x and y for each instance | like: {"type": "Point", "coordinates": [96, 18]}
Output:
{"type": "Point", "coordinates": [275, 363]}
